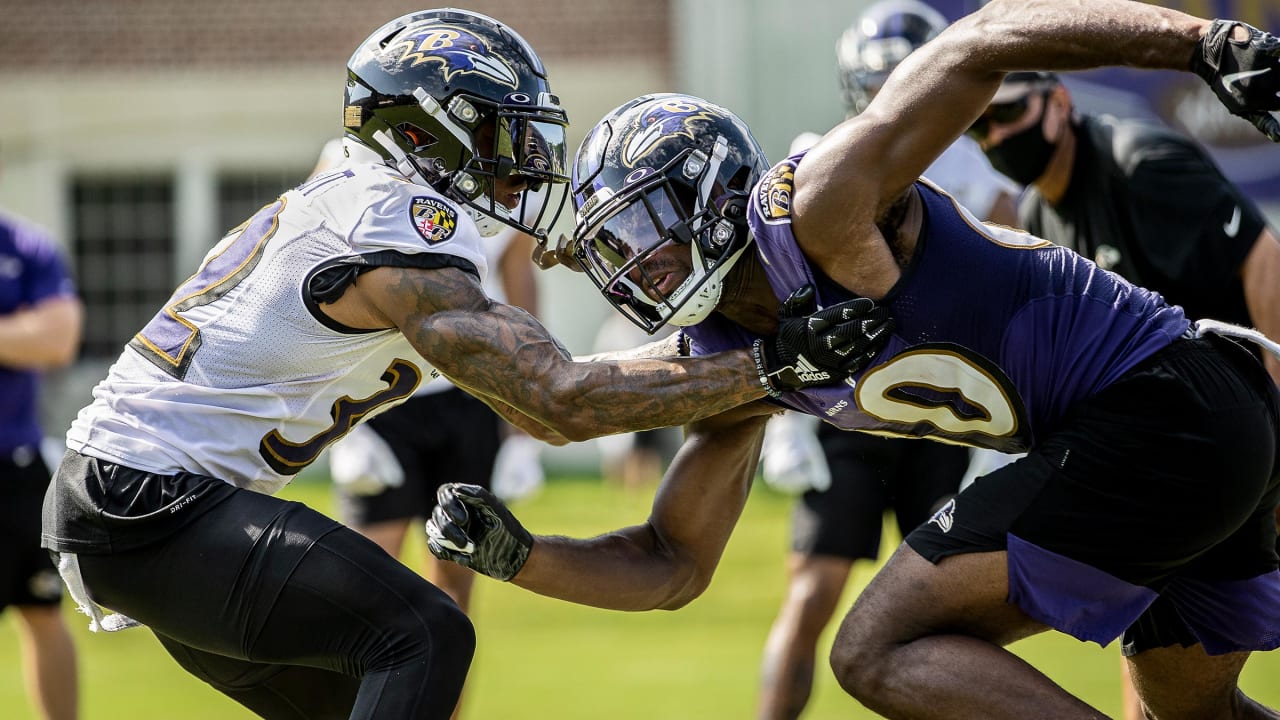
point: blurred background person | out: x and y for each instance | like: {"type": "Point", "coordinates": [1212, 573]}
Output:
{"type": "Point", "coordinates": [386, 471]}
{"type": "Point", "coordinates": [848, 479]}
{"type": "Point", "coordinates": [1140, 200]}
{"type": "Point", "coordinates": [40, 324]}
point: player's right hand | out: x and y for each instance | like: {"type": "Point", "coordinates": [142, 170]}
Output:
{"type": "Point", "coordinates": [1244, 74]}
{"type": "Point", "coordinates": [470, 526]}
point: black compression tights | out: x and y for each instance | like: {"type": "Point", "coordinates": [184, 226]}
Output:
{"type": "Point", "coordinates": [293, 615]}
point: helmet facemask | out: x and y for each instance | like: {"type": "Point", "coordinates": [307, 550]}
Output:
{"type": "Point", "coordinates": [631, 244]}
{"type": "Point", "coordinates": [491, 141]}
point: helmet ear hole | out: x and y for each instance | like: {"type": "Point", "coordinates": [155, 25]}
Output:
{"type": "Point", "coordinates": [419, 138]}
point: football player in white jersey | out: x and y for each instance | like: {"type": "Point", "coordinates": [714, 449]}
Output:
{"type": "Point", "coordinates": [334, 302]}
{"type": "Point", "coordinates": [386, 472]}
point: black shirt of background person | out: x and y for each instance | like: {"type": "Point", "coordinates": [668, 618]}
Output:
{"type": "Point", "coordinates": [1151, 205]}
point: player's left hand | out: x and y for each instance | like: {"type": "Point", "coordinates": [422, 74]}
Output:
{"type": "Point", "coordinates": [470, 526]}
{"type": "Point", "coordinates": [819, 347]}
{"type": "Point", "coordinates": [1244, 74]}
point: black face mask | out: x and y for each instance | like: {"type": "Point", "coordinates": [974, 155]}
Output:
{"type": "Point", "coordinates": [1023, 156]}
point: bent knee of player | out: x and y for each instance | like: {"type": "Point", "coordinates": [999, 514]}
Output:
{"type": "Point", "coordinates": [436, 629]}
{"type": "Point", "coordinates": [449, 633]}
{"type": "Point", "coordinates": [861, 659]}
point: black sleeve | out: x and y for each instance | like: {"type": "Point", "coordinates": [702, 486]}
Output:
{"type": "Point", "coordinates": [329, 281]}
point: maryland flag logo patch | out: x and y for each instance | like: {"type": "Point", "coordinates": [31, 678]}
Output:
{"type": "Point", "coordinates": [773, 193]}
{"type": "Point", "coordinates": [434, 219]}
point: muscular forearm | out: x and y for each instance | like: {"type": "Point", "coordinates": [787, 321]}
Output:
{"type": "Point", "coordinates": [623, 570]}
{"type": "Point", "coordinates": [523, 422]}
{"type": "Point", "coordinates": [670, 560]}
{"type": "Point", "coordinates": [525, 367]}
{"type": "Point", "coordinates": [1008, 35]}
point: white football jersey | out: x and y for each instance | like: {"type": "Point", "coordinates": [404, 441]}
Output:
{"type": "Point", "coordinates": [240, 376]}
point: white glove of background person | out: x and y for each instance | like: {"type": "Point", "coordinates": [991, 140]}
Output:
{"type": "Point", "coordinates": [791, 459]}
{"type": "Point", "coordinates": [362, 463]}
{"type": "Point", "coordinates": [517, 470]}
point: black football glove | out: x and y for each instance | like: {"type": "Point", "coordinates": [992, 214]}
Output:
{"type": "Point", "coordinates": [819, 347]}
{"type": "Point", "coordinates": [470, 526]}
{"type": "Point", "coordinates": [1245, 75]}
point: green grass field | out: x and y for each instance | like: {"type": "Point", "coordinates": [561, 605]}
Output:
{"type": "Point", "coordinates": [539, 658]}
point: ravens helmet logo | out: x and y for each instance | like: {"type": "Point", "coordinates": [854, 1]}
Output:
{"type": "Point", "coordinates": [457, 50]}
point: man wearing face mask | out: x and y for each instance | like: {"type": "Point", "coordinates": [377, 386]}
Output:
{"type": "Point", "coordinates": [1141, 200]}
{"type": "Point", "coordinates": [1138, 199]}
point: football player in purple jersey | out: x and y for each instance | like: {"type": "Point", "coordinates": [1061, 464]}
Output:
{"type": "Point", "coordinates": [869, 478]}
{"type": "Point", "coordinates": [1140, 199]}
{"type": "Point", "coordinates": [1144, 505]}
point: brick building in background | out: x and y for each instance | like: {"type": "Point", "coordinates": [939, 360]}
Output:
{"type": "Point", "coordinates": [142, 35]}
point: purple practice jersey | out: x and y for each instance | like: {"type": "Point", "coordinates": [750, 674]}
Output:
{"type": "Point", "coordinates": [999, 333]}
{"type": "Point", "coordinates": [30, 271]}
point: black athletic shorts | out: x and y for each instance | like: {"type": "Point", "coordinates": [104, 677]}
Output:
{"type": "Point", "coordinates": [277, 606]}
{"type": "Point", "coordinates": [1149, 512]}
{"type": "Point", "coordinates": [439, 438]}
{"type": "Point", "coordinates": [870, 475]}
{"type": "Point", "coordinates": [27, 575]}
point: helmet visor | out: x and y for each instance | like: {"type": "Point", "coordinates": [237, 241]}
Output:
{"type": "Point", "coordinates": [623, 238]}
{"type": "Point", "coordinates": [625, 255]}
{"type": "Point", "coordinates": [527, 143]}
{"type": "Point", "coordinates": [537, 148]}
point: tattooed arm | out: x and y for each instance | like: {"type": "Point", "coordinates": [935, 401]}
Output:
{"type": "Point", "coordinates": [525, 423]}
{"type": "Point", "coordinates": [665, 348]}
{"type": "Point", "coordinates": [503, 353]}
